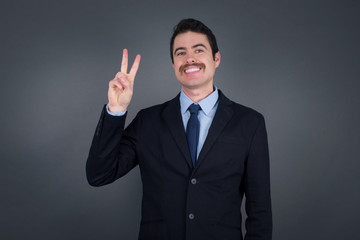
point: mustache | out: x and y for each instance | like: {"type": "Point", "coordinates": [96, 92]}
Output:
{"type": "Point", "coordinates": [182, 67]}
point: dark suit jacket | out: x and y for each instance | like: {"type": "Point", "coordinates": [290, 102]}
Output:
{"type": "Point", "coordinates": [180, 202]}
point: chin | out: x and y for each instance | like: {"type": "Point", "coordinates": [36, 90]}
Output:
{"type": "Point", "coordinates": [190, 83]}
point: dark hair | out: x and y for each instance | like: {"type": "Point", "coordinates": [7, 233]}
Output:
{"type": "Point", "coordinates": [193, 25]}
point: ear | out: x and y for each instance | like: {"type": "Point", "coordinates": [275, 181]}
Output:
{"type": "Point", "coordinates": [217, 59]}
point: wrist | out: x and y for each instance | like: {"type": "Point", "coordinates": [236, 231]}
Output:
{"type": "Point", "coordinates": [116, 109]}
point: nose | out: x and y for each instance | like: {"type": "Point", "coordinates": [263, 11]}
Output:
{"type": "Point", "coordinates": [190, 60]}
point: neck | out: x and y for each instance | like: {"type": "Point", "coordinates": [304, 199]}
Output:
{"type": "Point", "coordinates": [196, 95]}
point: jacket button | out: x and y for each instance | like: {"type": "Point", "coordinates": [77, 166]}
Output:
{"type": "Point", "coordinates": [191, 216]}
{"type": "Point", "coordinates": [193, 181]}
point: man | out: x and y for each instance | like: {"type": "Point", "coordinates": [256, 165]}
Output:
{"type": "Point", "coordinates": [198, 153]}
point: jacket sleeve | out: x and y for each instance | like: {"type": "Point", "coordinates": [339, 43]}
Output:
{"type": "Point", "coordinates": [113, 150]}
{"type": "Point", "coordinates": [257, 187]}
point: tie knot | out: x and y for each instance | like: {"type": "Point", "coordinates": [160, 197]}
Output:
{"type": "Point", "coordinates": [194, 108]}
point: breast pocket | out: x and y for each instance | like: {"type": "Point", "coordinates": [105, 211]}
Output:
{"type": "Point", "coordinates": [231, 140]}
{"type": "Point", "coordinates": [229, 155]}
{"type": "Point", "coordinates": [231, 147]}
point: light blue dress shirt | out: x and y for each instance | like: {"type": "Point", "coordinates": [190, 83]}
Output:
{"type": "Point", "coordinates": [117, 114]}
{"type": "Point", "coordinates": [206, 114]}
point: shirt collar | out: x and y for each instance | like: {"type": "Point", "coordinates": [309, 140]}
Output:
{"type": "Point", "coordinates": [206, 104]}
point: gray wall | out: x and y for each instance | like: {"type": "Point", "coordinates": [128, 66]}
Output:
{"type": "Point", "coordinates": [297, 62]}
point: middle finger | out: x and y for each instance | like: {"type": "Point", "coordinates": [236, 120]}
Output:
{"type": "Point", "coordinates": [124, 62]}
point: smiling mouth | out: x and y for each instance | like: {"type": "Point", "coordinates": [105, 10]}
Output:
{"type": "Point", "coordinates": [191, 68]}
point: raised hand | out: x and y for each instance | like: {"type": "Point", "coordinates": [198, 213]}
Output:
{"type": "Point", "coordinates": [121, 87]}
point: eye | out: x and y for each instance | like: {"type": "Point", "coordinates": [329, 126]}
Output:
{"type": "Point", "coordinates": [180, 53]}
{"type": "Point", "coordinates": [199, 50]}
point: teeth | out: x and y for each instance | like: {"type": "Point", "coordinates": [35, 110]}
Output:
{"type": "Point", "coordinates": [192, 70]}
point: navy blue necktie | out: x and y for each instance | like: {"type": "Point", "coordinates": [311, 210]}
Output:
{"type": "Point", "coordinates": [192, 131]}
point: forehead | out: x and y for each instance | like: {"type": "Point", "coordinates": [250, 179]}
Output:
{"type": "Point", "coordinates": [189, 39]}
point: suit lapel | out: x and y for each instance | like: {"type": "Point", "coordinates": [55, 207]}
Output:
{"type": "Point", "coordinates": [222, 116]}
{"type": "Point", "coordinates": [172, 118]}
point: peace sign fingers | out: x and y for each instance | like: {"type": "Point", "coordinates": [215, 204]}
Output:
{"type": "Point", "coordinates": [135, 67]}
{"type": "Point", "coordinates": [124, 62]}
{"type": "Point", "coordinates": [121, 87]}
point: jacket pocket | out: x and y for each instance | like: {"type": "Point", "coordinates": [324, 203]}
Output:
{"type": "Point", "coordinates": [153, 230]}
{"type": "Point", "coordinates": [228, 227]}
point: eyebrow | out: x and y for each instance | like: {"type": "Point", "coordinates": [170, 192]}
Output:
{"type": "Point", "coordinates": [195, 46]}
{"type": "Point", "coordinates": [199, 45]}
{"type": "Point", "coordinates": [179, 48]}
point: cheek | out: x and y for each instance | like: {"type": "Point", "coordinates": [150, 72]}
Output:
{"type": "Point", "coordinates": [176, 70]}
{"type": "Point", "coordinates": [176, 65]}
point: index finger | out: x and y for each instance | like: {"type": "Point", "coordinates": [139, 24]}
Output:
{"type": "Point", "coordinates": [124, 62]}
{"type": "Point", "coordinates": [135, 66]}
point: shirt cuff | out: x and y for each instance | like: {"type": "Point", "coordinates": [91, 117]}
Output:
{"type": "Point", "coordinates": [116, 114]}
